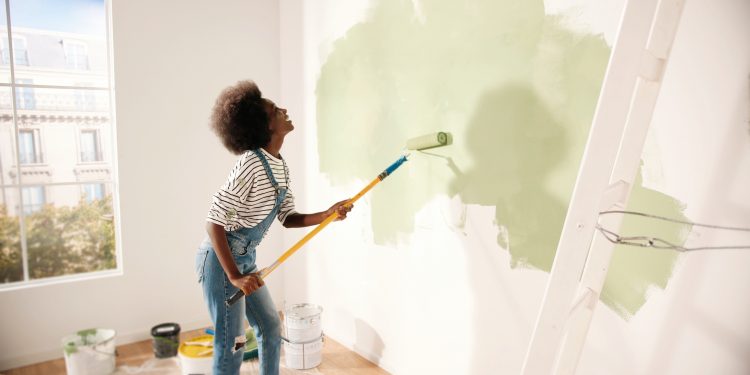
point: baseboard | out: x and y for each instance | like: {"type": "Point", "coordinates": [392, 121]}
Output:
{"type": "Point", "coordinates": [120, 339]}
{"type": "Point", "coordinates": [370, 356]}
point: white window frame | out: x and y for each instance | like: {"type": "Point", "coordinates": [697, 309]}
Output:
{"type": "Point", "coordinates": [111, 184]}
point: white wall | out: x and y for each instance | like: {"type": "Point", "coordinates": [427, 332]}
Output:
{"type": "Point", "coordinates": [171, 59]}
{"type": "Point", "coordinates": [446, 304]}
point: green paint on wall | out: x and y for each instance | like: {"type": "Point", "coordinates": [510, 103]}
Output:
{"type": "Point", "coordinates": [515, 87]}
{"type": "Point", "coordinates": [634, 270]}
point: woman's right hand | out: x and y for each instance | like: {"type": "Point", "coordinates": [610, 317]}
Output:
{"type": "Point", "coordinates": [247, 283]}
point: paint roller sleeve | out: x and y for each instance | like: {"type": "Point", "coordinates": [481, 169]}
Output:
{"type": "Point", "coordinates": [432, 140]}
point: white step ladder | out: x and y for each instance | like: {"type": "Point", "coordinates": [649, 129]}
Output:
{"type": "Point", "coordinates": [608, 169]}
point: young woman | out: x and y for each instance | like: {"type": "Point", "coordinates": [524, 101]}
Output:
{"type": "Point", "coordinates": [256, 192]}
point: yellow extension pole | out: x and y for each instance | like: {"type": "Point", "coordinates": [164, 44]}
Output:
{"type": "Point", "coordinates": [332, 217]}
{"type": "Point", "coordinates": [266, 271]}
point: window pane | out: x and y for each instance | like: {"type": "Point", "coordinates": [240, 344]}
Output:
{"type": "Point", "coordinates": [71, 233]}
{"type": "Point", "coordinates": [67, 35]}
{"type": "Point", "coordinates": [11, 268]}
{"type": "Point", "coordinates": [5, 62]}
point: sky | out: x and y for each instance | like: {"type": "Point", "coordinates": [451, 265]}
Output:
{"type": "Point", "coordinates": [73, 16]}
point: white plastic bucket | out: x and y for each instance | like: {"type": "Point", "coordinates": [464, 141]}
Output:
{"type": "Point", "coordinates": [303, 355]}
{"type": "Point", "coordinates": [302, 322]}
{"type": "Point", "coordinates": [90, 352]}
{"type": "Point", "coordinates": [303, 329]}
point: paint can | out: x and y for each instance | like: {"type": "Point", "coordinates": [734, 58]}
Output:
{"type": "Point", "coordinates": [302, 322]}
{"type": "Point", "coordinates": [166, 339]}
{"type": "Point", "coordinates": [303, 341]}
{"type": "Point", "coordinates": [303, 355]}
{"type": "Point", "coordinates": [90, 352]}
{"type": "Point", "coordinates": [198, 357]}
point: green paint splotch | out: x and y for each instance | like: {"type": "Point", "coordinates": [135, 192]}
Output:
{"type": "Point", "coordinates": [515, 87]}
{"type": "Point", "coordinates": [635, 270]}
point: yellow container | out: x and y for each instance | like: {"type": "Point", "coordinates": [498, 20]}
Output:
{"type": "Point", "coordinates": [197, 359]}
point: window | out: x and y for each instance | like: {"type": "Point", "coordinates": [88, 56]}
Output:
{"type": "Point", "coordinates": [90, 146]}
{"type": "Point", "coordinates": [25, 95]}
{"type": "Point", "coordinates": [28, 146]}
{"type": "Point", "coordinates": [20, 53]}
{"type": "Point", "coordinates": [76, 55]}
{"type": "Point", "coordinates": [58, 213]}
{"type": "Point", "coordinates": [93, 192]}
{"type": "Point", "coordinates": [33, 199]}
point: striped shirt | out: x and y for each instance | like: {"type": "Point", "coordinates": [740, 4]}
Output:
{"type": "Point", "coordinates": [248, 195]}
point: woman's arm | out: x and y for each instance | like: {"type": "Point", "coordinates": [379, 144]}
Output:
{"type": "Point", "coordinates": [247, 283]}
{"type": "Point", "coordinates": [297, 220]}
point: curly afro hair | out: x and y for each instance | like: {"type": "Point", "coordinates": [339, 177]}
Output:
{"type": "Point", "coordinates": [240, 119]}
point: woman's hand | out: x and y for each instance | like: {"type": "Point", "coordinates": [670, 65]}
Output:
{"type": "Point", "coordinates": [342, 208]}
{"type": "Point", "coordinates": [247, 283]}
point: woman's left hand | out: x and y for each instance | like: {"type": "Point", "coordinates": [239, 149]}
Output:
{"type": "Point", "coordinates": [342, 208]}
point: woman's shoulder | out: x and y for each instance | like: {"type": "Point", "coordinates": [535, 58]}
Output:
{"type": "Point", "coordinates": [249, 157]}
{"type": "Point", "coordinates": [247, 163]}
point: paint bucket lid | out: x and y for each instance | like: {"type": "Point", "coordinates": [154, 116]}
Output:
{"type": "Point", "coordinates": [303, 311]}
{"type": "Point", "coordinates": [197, 351]}
{"type": "Point", "coordinates": [165, 330]}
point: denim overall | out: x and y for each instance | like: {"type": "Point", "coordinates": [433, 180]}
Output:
{"type": "Point", "coordinates": [258, 307]}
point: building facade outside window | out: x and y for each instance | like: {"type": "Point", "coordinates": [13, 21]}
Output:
{"type": "Point", "coordinates": [58, 188]}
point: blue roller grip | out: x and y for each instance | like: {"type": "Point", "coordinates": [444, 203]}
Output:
{"type": "Point", "coordinates": [392, 168]}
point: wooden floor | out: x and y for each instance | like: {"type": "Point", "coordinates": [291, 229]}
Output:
{"type": "Point", "coordinates": [337, 360]}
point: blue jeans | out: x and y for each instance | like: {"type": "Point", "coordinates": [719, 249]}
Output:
{"type": "Point", "coordinates": [258, 308]}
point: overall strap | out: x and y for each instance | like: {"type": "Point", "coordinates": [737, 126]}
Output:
{"type": "Point", "coordinates": [269, 172]}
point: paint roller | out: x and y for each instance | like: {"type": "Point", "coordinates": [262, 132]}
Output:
{"type": "Point", "coordinates": [424, 142]}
